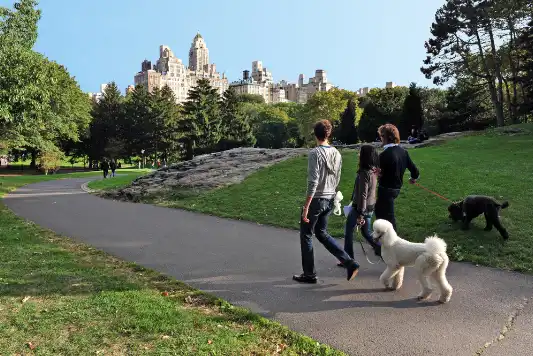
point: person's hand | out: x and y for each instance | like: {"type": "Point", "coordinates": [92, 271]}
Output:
{"type": "Point", "coordinates": [305, 211]}
{"type": "Point", "coordinates": [360, 220]}
{"type": "Point", "coordinates": [412, 181]}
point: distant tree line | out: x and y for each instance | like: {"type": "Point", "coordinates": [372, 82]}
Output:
{"type": "Point", "coordinates": [484, 48]}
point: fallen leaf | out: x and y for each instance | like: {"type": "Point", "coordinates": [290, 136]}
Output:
{"type": "Point", "coordinates": [164, 294]}
{"type": "Point", "coordinates": [165, 337]}
{"type": "Point", "coordinates": [26, 298]}
{"type": "Point", "coordinates": [31, 346]}
{"type": "Point", "coordinates": [209, 342]}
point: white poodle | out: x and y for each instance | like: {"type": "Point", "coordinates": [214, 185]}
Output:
{"type": "Point", "coordinates": [429, 259]}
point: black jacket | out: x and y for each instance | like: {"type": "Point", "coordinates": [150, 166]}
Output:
{"type": "Point", "coordinates": [393, 162]}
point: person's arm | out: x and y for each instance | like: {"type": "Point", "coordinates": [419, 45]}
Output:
{"type": "Point", "coordinates": [361, 200]}
{"type": "Point", "coordinates": [415, 173]}
{"type": "Point", "coordinates": [312, 182]}
{"type": "Point", "coordinates": [338, 182]}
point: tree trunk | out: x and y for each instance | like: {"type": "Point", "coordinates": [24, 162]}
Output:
{"type": "Point", "coordinates": [514, 72]}
{"type": "Point", "coordinates": [509, 104]}
{"type": "Point", "coordinates": [498, 109]}
{"type": "Point", "coordinates": [500, 119]}
{"type": "Point", "coordinates": [33, 163]}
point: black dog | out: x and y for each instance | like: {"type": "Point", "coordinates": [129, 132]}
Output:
{"type": "Point", "coordinates": [473, 206]}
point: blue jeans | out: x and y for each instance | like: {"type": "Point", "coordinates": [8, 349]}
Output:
{"type": "Point", "coordinates": [318, 214]}
{"type": "Point", "coordinates": [366, 231]}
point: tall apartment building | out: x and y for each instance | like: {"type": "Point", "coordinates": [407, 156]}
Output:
{"type": "Point", "coordinates": [301, 92]}
{"type": "Point", "coordinates": [262, 83]}
{"type": "Point", "coordinates": [170, 70]}
{"type": "Point", "coordinates": [98, 96]}
{"type": "Point", "coordinates": [364, 91]}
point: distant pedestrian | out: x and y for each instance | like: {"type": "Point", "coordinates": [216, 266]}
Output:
{"type": "Point", "coordinates": [324, 172]}
{"type": "Point", "coordinates": [113, 166]}
{"type": "Point", "coordinates": [105, 167]}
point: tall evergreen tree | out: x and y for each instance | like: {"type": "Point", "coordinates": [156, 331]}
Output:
{"type": "Point", "coordinates": [138, 118]}
{"type": "Point", "coordinates": [236, 130]}
{"type": "Point", "coordinates": [169, 131]}
{"type": "Point", "coordinates": [346, 131]}
{"type": "Point", "coordinates": [105, 132]}
{"type": "Point", "coordinates": [412, 114]}
{"type": "Point", "coordinates": [202, 124]}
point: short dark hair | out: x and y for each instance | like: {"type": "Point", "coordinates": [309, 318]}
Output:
{"type": "Point", "coordinates": [323, 129]}
{"type": "Point", "coordinates": [368, 157]}
{"type": "Point", "coordinates": [390, 133]}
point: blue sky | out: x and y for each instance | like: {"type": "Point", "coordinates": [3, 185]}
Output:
{"type": "Point", "coordinates": [359, 43]}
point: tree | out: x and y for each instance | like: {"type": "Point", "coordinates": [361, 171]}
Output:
{"type": "Point", "coordinates": [525, 45]}
{"type": "Point", "coordinates": [412, 115]}
{"type": "Point", "coordinates": [18, 29]}
{"type": "Point", "coordinates": [274, 128]}
{"type": "Point", "coordinates": [170, 131]}
{"type": "Point", "coordinates": [106, 129]}
{"type": "Point", "coordinates": [464, 43]}
{"type": "Point", "coordinates": [433, 104]}
{"type": "Point", "coordinates": [323, 105]}
{"type": "Point", "coordinates": [468, 107]}
{"type": "Point", "coordinates": [236, 129]}
{"type": "Point", "coordinates": [346, 131]}
{"type": "Point", "coordinates": [202, 119]}
{"type": "Point", "coordinates": [381, 106]}
{"type": "Point", "coordinates": [40, 103]}
{"type": "Point", "coordinates": [251, 98]}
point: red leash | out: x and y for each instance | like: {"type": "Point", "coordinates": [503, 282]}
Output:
{"type": "Point", "coordinates": [432, 192]}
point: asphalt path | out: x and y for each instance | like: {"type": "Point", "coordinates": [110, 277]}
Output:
{"type": "Point", "coordinates": [251, 265]}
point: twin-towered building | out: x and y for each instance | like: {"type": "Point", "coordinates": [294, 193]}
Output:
{"type": "Point", "coordinates": [170, 70]}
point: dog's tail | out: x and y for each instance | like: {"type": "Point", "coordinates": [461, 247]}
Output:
{"type": "Point", "coordinates": [435, 245]}
{"type": "Point", "coordinates": [504, 205]}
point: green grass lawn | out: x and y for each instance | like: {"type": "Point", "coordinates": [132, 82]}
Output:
{"type": "Point", "coordinates": [59, 297]}
{"type": "Point", "coordinates": [123, 178]}
{"type": "Point", "coordinates": [493, 164]}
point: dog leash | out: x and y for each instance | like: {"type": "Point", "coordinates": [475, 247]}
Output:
{"type": "Point", "coordinates": [362, 247]}
{"type": "Point", "coordinates": [432, 192]}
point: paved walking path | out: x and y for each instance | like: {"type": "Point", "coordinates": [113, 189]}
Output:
{"type": "Point", "coordinates": [252, 265]}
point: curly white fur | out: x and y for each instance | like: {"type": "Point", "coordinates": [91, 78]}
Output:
{"type": "Point", "coordinates": [429, 259]}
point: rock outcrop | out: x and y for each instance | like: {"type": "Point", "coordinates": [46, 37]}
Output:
{"type": "Point", "coordinates": [206, 172]}
{"type": "Point", "coordinates": [220, 169]}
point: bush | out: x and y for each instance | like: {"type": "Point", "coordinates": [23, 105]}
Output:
{"type": "Point", "coordinates": [49, 159]}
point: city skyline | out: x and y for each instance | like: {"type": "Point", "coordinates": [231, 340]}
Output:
{"type": "Point", "coordinates": [359, 44]}
{"type": "Point", "coordinates": [171, 71]}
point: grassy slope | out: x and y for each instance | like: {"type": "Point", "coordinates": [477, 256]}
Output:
{"type": "Point", "coordinates": [122, 179]}
{"type": "Point", "coordinates": [84, 302]}
{"type": "Point", "coordinates": [491, 164]}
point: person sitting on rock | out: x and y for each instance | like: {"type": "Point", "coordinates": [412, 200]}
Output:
{"type": "Point", "coordinates": [413, 137]}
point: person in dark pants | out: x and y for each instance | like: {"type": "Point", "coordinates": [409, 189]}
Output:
{"type": "Point", "coordinates": [363, 200]}
{"type": "Point", "coordinates": [113, 166]}
{"type": "Point", "coordinates": [323, 176]}
{"type": "Point", "coordinates": [105, 167]}
{"type": "Point", "coordinates": [393, 162]}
